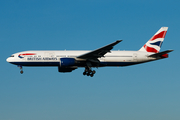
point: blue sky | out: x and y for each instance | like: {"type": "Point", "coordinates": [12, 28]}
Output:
{"type": "Point", "coordinates": [146, 91]}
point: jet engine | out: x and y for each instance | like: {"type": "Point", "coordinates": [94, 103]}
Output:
{"type": "Point", "coordinates": [65, 62]}
{"type": "Point", "coordinates": [67, 65]}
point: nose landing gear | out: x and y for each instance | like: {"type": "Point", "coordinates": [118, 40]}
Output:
{"type": "Point", "coordinates": [20, 69]}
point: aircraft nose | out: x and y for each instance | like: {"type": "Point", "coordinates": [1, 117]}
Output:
{"type": "Point", "coordinates": [8, 59]}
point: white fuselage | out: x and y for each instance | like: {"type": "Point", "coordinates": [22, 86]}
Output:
{"type": "Point", "coordinates": [52, 58]}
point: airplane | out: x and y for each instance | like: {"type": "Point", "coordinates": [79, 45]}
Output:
{"type": "Point", "coordinates": [67, 61]}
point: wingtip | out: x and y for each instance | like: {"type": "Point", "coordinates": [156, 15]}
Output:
{"type": "Point", "coordinates": [170, 50]}
{"type": "Point", "coordinates": [118, 40]}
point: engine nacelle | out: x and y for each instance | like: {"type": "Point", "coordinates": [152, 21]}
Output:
{"type": "Point", "coordinates": [67, 65]}
{"type": "Point", "coordinates": [66, 69]}
{"type": "Point", "coordinates": [66, 62]}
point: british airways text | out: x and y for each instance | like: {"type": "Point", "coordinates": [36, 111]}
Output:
{"type": "Point", "coordinates": [44, 58]}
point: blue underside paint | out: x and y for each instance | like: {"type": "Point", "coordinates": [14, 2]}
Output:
{"type": "Point", "coordinates": [57, 64]}
{"type": "Point", "coordinates": [36, 63]}
{"type": "Point", "coordinates": [117, 63]}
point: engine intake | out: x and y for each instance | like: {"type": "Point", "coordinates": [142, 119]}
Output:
{"type": "Point", "coordinates": [67, 65]}
{"type": "Point", "coordinates": [65, 62]}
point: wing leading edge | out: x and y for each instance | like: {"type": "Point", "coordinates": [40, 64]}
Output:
{"type": "Point", "coordinates": [100, 52]}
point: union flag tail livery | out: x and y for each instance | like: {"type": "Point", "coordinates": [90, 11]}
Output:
{"type": "Point", "coordinates": [67, 61]}
{"type": "Point", "coordinates": [154, 44]}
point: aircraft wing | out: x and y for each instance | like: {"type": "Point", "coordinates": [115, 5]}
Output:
{"type": "Point", "coordinates": [99, 52]}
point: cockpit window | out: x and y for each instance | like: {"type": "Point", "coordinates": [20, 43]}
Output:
{"type": "Point", "coordinates": [12, 56]}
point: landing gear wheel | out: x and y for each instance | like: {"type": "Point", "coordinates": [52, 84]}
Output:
{"type": "Point", "coordinates": [91, 74]}
{"type": "Point", "coordinates": [21, 72]}
{"type": "Point", "coordinates": [88, 74]}
{"type": "Point", "coordinates": [84, 73]}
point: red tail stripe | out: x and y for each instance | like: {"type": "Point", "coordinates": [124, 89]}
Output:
{"type": "Point", "coordinates": [150, 49]}
{"type": "Point", "coordinates": [160, 35]}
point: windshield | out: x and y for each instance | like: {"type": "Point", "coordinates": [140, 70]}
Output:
{"type": "Point", "coordinates": [12, 56]}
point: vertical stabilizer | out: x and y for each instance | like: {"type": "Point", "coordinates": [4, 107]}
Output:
{"type": "Point", "coordinates": [154, 44]}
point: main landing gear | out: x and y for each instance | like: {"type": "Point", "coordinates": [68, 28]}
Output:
{"type": "Point", "coordinates": [89, 72]}
{"type": "Point", "coordinates": [20, 69]}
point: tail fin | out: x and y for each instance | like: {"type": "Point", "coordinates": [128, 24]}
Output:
{"type": "Point", "coordinates": [154, 44]}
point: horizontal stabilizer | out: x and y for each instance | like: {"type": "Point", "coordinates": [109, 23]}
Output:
{"type": "Point", "coordinates": [160, 54]}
